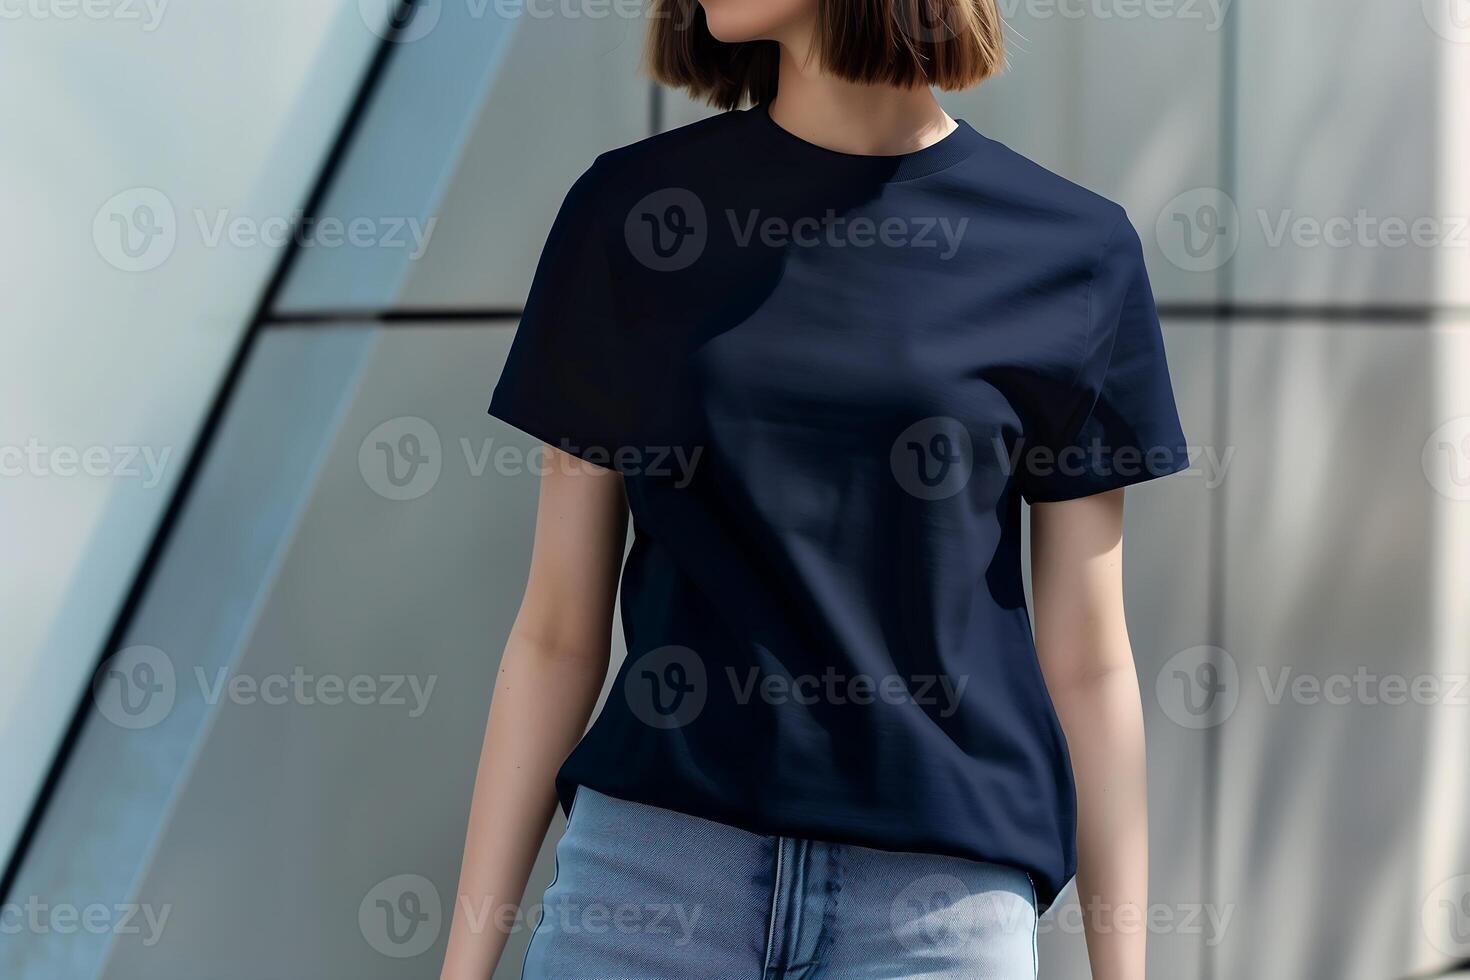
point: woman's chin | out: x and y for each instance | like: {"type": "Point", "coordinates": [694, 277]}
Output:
{"type": "Point", "coordinates": [729, 26]}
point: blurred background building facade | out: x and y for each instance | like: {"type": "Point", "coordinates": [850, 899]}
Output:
{"type": "Point", "coordinates": [248, 485]}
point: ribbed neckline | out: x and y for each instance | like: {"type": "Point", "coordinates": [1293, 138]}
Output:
{"type": "Point", "coordinates": [937, 156]}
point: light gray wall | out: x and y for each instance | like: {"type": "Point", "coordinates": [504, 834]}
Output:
{"type": "Point", "coordinates": [296, 818]}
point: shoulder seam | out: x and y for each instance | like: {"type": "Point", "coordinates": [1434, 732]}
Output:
{"type": "Point", "coordinates": [1091, 292]}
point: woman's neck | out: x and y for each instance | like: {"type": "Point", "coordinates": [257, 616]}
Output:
{"type": "Point", "coordinates": [872, 120]}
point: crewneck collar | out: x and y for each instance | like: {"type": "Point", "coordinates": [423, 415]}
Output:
{"type": "Point", "coordinates": [942, 154]}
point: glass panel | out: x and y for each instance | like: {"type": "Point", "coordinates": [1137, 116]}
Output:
{"type": "Point", "coordinates": [139, 742]}
{"type": "Point", "coordinates": [160, 148]}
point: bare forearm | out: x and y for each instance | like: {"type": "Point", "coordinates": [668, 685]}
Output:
{"type": "Point", "coordinates": [1103, 719]}
{"type": "Point", "coordinates": [540, 709]}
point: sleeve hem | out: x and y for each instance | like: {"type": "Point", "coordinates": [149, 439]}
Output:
{"type": "Point", "coordinates": [594, 455]}
{"type": "Point", "coordinates": [1116, 480]}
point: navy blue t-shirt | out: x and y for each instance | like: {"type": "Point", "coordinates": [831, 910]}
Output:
{"type": "Point", "coordinates": [829, 381]}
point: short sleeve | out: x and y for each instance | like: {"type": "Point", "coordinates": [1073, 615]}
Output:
{"type": "Point", "coordinates": [1122, 425]}
{"type": "Point", "coordinates": [565, 380]}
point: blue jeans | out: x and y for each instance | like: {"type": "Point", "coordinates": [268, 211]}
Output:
{"type": "Point", "coordinates": [643, 893]}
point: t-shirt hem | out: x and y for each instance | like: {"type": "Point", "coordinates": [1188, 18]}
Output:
{"type": "Point", "coordinates": [1046, 887]}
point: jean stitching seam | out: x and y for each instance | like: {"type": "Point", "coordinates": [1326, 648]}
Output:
{"type": "Point", "coordinates": [775, 900]}
{"type": "Point", "coordinates": [1035, 929]}
{"type": "Point", "coordinates": [555, 874]}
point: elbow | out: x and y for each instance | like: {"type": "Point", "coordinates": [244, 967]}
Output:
{"type": "Point", "coordinates": [562, 644]}
{"type": "Point", "coordinates": [1097, 678]}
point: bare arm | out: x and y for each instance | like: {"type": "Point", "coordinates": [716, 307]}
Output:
{"type": "Point", "coordinates": [1082, 640]}
{"type": "Point", "coordinates": [551, 673]}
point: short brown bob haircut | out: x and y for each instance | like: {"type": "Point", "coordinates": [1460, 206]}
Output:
{"type": "Point", "coordinates": [950, 44]}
